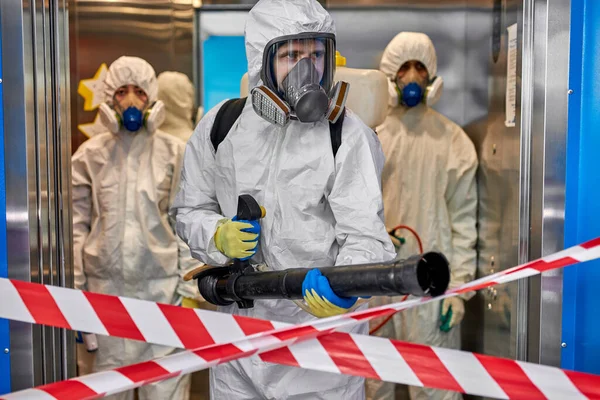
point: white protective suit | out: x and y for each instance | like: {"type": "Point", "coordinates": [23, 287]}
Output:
{"type": "Point", "coordinates": [321, 211]}
{"type": "Point", "coordinates": [177, 92]}
{"type": "Point", "coordinates": [429, 185]}
{"type": "Point", "coordinates": [124, 242]}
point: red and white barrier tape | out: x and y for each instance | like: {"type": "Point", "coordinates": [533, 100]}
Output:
{"type": "Point", "coordinates": [180, 327]}
{"type": "Point", "coordinates": [343, 353]}
{"type": "Point", "coordinates": [106, 383]}
{"type": "Point", "coordinates": [419, 365]}
{"type": "Point", "coordinates": [188, 328]}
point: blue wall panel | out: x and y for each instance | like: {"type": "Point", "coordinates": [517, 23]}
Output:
{"type": "Point", "coordinates": [224, 64]}
{"type": "Point", "coordinates": [581, 322]}
{"type": "Point", "coordinates": [4, 332]}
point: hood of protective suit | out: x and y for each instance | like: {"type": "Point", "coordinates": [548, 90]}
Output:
{"type": "Point", "coordinates": [176, 91]}
{"type": "Point", "coordinates": [130, 71]}
{"type": "Point", "coordinates": [408, 46]}
{"type": "Point", "coordinates": [270, 19]}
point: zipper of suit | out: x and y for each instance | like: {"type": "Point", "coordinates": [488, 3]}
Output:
{"type": "Point", "coordinates": [271, 187]}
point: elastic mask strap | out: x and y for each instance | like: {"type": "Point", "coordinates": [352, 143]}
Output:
{"type": "Point", "coordinates": [399, 92]}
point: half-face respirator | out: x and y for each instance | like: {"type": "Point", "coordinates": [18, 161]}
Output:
{"type": "Point", "coordinates": [132, 114]}
{"type": "Point", "coordinates": [412, 94]}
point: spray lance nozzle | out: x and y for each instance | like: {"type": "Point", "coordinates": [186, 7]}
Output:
{"type": "Point", "coordinates": [420, 275]}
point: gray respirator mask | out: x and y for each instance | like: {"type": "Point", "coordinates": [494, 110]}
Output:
{"type": "Point", "coordinates": [304, 94]}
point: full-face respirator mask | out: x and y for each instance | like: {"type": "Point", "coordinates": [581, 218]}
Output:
{"type": "Point", "coordinates": [298, 75]}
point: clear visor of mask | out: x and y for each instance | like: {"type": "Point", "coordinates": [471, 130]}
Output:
{"type": "Point", "coordinates": [298, 66]}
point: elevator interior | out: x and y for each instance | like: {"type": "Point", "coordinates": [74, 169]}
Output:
{"type": "Point", "coordinates": [504, 84]}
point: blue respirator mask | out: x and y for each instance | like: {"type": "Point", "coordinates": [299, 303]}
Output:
{"type": "Point", "coordinates": [413, 94]}
{"type": "Point", "coordinates": [133, 119]}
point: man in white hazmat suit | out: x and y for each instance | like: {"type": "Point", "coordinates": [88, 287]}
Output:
{"type": "Point", "coordinates": [321, 209]}
{"type": "Point", "coordinates": [428, 185]}
{"type": "Point", "coordinates": [176, 91]}
{"type": "Point", "coordinates": [124, 242]}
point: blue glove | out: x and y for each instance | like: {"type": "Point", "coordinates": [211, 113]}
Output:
{"type": "Point", "coordinates": [255, 229]}
{"type": "Point", "coordinates": [321, 299]}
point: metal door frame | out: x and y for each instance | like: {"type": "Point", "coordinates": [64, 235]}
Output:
{"type": "Point", "coordinates": [4, 324]}
{"type": "Point", "coordinates": [546, 28]}
{"type": "Point", "coordinates": [37, 171]}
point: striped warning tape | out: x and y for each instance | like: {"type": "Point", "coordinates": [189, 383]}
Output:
{"type": "Point", "coordinates": [352, 354]}
{"type": "Point", "coordinates": [137, 319]}
{"type": "Point", "coordinates": [420, 365]}
{"type": "Point", "coordinates": [188, 328]}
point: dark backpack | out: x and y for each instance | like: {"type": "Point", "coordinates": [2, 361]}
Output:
{"type": "Point", "coordinates": [231, 110]}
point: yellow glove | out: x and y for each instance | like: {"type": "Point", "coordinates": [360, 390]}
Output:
{"type": "Point", "coordinates": [320, 297]}
{"type": "Point", "coordinates": [321, 307]}
{"type": "Point", "coordinates": [237, 239]}
{"type": "Point", "coordinates": [189, 303]}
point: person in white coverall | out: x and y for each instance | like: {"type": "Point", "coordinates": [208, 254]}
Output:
{"type": "Point", "coordinates": [176, 91]}
{"type": "Point", "coordinates": [429, 185]}
{"type": "Point", "coordinates": [321, 209]}
{"type": "Point", "coordinates": [124, 242]}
